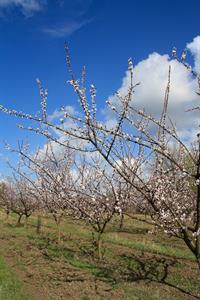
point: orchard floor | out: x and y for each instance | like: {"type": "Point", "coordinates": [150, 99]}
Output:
{"type": "Point", "coordinates": [135, 264]}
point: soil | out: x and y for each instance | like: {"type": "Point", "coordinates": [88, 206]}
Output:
{"type": "Point", "coordinates": [44, 278]}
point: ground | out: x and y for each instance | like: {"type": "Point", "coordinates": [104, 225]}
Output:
{"type": "Point", "coordinates": [135, 264]}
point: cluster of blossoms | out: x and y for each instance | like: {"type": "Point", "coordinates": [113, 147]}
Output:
{"type": "Point", "coordinates": [173, 197]}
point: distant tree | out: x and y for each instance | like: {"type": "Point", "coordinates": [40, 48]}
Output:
{"type": "Point", "coordinates": [20, 198]}
{"type": "Point", "coordinates": [4, 198]}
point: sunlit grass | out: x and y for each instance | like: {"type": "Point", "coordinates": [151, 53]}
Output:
{"type": "Point", "coordinates": [10, 287]}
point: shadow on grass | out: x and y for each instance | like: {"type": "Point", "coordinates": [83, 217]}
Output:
{"type": "Point", "coordinates": [14, 225]}
{"type": "Point", "coordinates": [131, 268]}
{"type": "Point", "coordinates": [151, 269]}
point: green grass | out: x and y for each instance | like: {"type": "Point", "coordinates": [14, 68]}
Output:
{"type": "Point", "coordinates": [149, 246]}
{"type": "Point", "coordinates": [85, 297]}
{"type": "Point", "coordinates": [10, 287]}
{"type": "Point", "coordinates": [133, 265]}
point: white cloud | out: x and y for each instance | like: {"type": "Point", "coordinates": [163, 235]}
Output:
{"type": "Point", "coordinates": [194, 47]}
{"type": "Point", "coordinates": [111, 124]}
{"type": "Point", "coordinates": [66, 29]}
{"type": "Point", "coordinates": [62, 139]}
{"type": "Point", "coordinates": [28, 7]}
{"type": "Point", "coordinates": [152, 73]}
{"type": "Point", "coordinates": [57, 114]}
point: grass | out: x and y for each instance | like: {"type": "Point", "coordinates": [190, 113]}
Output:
{"type": "Point", "coordinates": [136, 265]}
{"type": "Point", "coordinates": [150, 247]}
{"type": "Point", "coordinates": [10, 287]}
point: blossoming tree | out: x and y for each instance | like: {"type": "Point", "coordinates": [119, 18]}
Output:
{"type": "Point", "coordinates": [170, 190]}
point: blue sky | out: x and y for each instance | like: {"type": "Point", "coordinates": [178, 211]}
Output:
{"type": "Point", "coordinates": [101, 34]}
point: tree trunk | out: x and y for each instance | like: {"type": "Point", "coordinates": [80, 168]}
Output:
{"type": "Point", "coordinates": [26, 221]}
{"type": "Point", "coordinates": [19, 220]}
{"type": "Point", "coordinates": [198, 262]}
{"type": "Point", "coordinates": [99, 246]}
{"type": "Point", "coordinates": [7, 214]}
{"type": "Point", "coordinates": [39, 224]}
{"type": "Point", "coordinates": [121, 225]}
{"type": "Point", "coordinates": [59, 232]}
